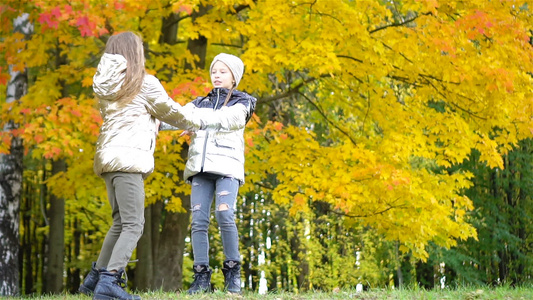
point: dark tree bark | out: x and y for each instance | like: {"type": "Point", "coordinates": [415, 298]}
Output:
{"type": "Point", "coordinates": [493, 267]}
{"type": "Point", "coordinates": [144, 271]}
{"type": "Point", "coordinates": [168, 246]}
{"type": "Point", "coordinates": [508, 204]}
{"type": "Point", "coordinates": [56, 238]}
{"type": "Point", "coordinates": [198, 47]}
{"type": "Point", "coordinates": [521, 228]}
{"type": "Point", "coordinates": [73, 274]}
{"type": "Point", "coordinates": [171, 249]}
{"type": "Point", "coordinates": [26, 258]}
{"type": "Point", "coordinates": [246, 241]}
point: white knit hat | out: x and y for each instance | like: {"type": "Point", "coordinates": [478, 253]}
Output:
{"type": "Point", "coordinates": [235, 65]}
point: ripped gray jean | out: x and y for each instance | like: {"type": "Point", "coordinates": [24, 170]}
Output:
{"type": "Point", "coordinates": [203, 190]}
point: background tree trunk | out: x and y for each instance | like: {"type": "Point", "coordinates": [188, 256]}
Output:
{"type": "Point", "coordinates": [198, 47]}
{"type": "Point", "coordinates": [144, 271]}
{"type": "Point", "coordinates": [56, 239]}
{"type": "Point", "coordinates": [73, 251]}
{"type": "Point", "coordinates": [299, 254]}
{"type": "Point", "coordinates": [172, 248]}
{"type": "Point", "coordinates": [56, 214]}
{"type": "Point", "coordinates": [169, 244]}
{"type": "Point", "coordinates": [11, 183]}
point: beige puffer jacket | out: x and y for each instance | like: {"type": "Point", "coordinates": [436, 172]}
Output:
{"type": "Point", "coordinates": [127, 136]}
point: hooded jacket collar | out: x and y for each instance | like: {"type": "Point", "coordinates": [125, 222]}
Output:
{"type": "Point", "coordinates": [109, 76]}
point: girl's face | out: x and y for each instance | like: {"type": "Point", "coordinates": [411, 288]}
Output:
{"type": "Point", "coordinates": [221, 76]}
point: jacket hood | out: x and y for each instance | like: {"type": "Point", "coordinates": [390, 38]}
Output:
{"type": "Point", "coordinates": [109, 76]}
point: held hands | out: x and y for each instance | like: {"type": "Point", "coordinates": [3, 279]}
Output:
{"type": "Point", "coordinates": [186, 132]}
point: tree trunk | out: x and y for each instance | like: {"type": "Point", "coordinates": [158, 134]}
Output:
{"type": "Point", "coordinates": [168, 273]}
{"type": "Point", "coordinates": [156, 215]}
{"type": "Point", "coordinates": [26, 245]}
{"type": "Point", "coordinates": [10, 187]}
{"type": "Point", "coordinates": [144, 271]}
{"type": "Point", "coordinates": [274, 275]}
{"type": "Point", "coordinates": [56, 239]}
{"type": "Point", "coordinates": [11, 183]}
{"type": "Point", "coordinates": [198, 47]}
{"type": "Point", "coordinates": [171, 249]}
{"type": "Point", "coordinates": [493, 267]}
{"type": "Point", "coordinates": [508, 203]}
{"type": "Point", "coordinates": [399, 273]}
{"type": "Point", "coordinates": [169, 244]}
{"type": "Point", "coordinates": [299, 252]}
{"type": "Point", "coordinates": [73, 273]}
{"type": "Point", "coordinates": [246, 241]}
{"type": "Point", "coordinates": [521, 228]}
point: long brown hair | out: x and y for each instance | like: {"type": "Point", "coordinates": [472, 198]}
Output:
{"type": "Point", "coordinates": [229, 94]}
{"type": "Point", "coordinates": [129, 45]}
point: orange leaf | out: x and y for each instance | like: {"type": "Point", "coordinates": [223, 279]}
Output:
{"type": "Point", "coordinates": [299, 200]}
{"type": "Point", "coordinates": [250, 142]}
{"type": "Point", "coordinates": [87, 81]}
{"type": "Point", "coordinates": [4, 77]}
{"type": "Point", "coordinates": [39, 138]}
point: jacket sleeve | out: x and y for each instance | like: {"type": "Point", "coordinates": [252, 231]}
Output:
{"type": "Point", "coordinates": [227, 118]}
{"type": "Point", "coordinates": [166, 127]}
{"type": "Point", "coordinates": [189, 117]}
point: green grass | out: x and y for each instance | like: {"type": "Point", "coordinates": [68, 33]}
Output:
{"type": "Point", "coordinates": [501, 293]}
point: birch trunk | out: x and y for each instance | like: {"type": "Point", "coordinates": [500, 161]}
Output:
{"type": "Point", "coordinates": [11, 183]}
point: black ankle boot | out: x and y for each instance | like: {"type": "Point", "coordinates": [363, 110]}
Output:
{"type": "Point", "coordinates": [112, 286]}
{"type": "Point", "coordinates": [90, 281]}
{"type": "Point", "coordinates": [232, 276]}
{"type": "Point", "coordinates": [202, 280]}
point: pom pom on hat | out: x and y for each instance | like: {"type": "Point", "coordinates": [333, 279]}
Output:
{"type": "Point", "coordinates": [235, 65]}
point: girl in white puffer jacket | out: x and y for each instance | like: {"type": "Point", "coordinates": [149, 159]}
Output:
{"type": "Point", "coordinates": [130, 102]}
{"type": "Point", "coordinates": [215, 170]}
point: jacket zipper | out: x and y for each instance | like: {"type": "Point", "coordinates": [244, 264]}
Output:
{"type": "Point", "coordinates": [207, 134]}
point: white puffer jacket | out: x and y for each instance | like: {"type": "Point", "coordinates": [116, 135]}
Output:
{"type": "Point", "coordinates": [127, 137]}
{"type": "Point", "coordinates": [219, 152]}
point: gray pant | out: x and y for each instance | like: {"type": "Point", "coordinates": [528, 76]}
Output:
{"type": "Point", "coordinates": [203, 189]}
{"type": "Point", "coordinates": [125, 192]}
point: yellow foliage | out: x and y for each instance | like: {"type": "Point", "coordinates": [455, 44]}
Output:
{"type": "Point", "coordinates": [361, 105]}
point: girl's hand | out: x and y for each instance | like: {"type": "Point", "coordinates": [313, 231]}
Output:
{"type": "Point", "coordinates": [185, 132]}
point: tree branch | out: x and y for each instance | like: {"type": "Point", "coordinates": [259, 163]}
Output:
{"type": "Point", "coordinates": [242, 7]}
{"type": "Point", "coordinates": [350, 58]}
{"type": "Point", "coordinates": [455, 105]}
{"type": "Point", "coordinates": [366, 215]}
{"type": "Point", "coordinates": [290, 92]}
{"type": "Point", "coordinates": [226, 45]}
{"type": "Point", "coordinates": [399, 24]}
{"type": "Point", "coordinates": [328, 120]}
{"type": "Point", "coordinates": [175, 21]}
{"type": "Point", "coordinates": [264, 186]}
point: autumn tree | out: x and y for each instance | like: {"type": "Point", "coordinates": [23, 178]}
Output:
{"type": "Point", "coordinates": [54, 97]}
{"type": "Point", "coordinates": [11, 175]}
{"type": "Point", "coordinates": [363, 109]}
